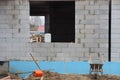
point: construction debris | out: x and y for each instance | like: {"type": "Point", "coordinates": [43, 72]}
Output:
{"type": "Point", "coordinates": [55, 76]}
{"type": "Point", "coordinates": [36, 38]}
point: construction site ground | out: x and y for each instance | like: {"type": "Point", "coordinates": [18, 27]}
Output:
{"type": "Point", "coordinates": [55, 76]}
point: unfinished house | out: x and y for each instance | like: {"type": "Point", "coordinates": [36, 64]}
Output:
{"type": "Point", "coordinates": [71, 30]}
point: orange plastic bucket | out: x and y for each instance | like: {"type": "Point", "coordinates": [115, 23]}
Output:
{"type": "Point", "coordinates": [38, 73]}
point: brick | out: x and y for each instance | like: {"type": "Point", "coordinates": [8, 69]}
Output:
{"type": "Point", "coordinates": [101, 31]}
{"type": "Point", "coordinates": [88, 40]}
{"type": "Point", "coordinates": [68, 50]}
{"type": "Point", "coordinates": [80, 36]}
{"type": "Point", "coordinates": [82, 2]}
{"type": "Point", "coordinates": [92, 12]}
{"type": "Point", "coordinates": [87, 31]}
{"type": "Point", "coordinates": [115, 55]}
{"type": "Point", "coordinates": [63, 55]}
{"type": "Point", "coordinates": [79, 17]}
{"type": "Point", "coordinates": [103, 36]}
{"type": "Point", "coordinates": [90, 45]}
{"type": "Point", "coordinates": [92, 17]}
{"type": "Point", "coordinates": [61, 45]}
{"type": "Point", "coordinates": [116, 2]}
{"type": "Point", "coordinates": [115, 31]}
{"type": "Point", "coordinates": [115, 45]}
{"type": "Point", "coordinates": [79, 26]}
{"type": "Point", "coordinates": [81, 50]}
{"type": "Point", "coordinates": [79, 7]}
{"type": "Point", "coordinates": [74, 45]}
{"type": "Point", "coordinates": [88, 22]}
{"type": "Point", "coordinates": [104, 12]}
{"type": "Point", "coordinates": [116, 7]}
{"type": "Point", "coordinates": [82, 12]}
{"type": "Point", "coordinates": [115, 59]}
{"type": "Point", "coordinates": [92, 2]}
{"type": "Point", "coordinates": [102, 40]}
{"type": "Point", "coordinates": [91, 7]}
{"type": "Point", "coordinates": [91, 26]}
{"type": "Point", "coordinates": [104, 7]}
{"type": "Point", "coordinates": [115, 50]}
{"type": "Point", "coordinates": [117, 16]}
{"type": "Point", "coordinates": [104, 17]}
{"type": "Point", "coordinates": [93, 36]}
{"type": "Point", "coordinates": [103, 45]}
{"type": "Point", "coordinates": [115, 36]}
{"type": "Point", "coordinates": [115, 12]}
{"type": "Point", "coordinates": [96, 50]}
{"type": "Point", "coordinates": [103, 2]}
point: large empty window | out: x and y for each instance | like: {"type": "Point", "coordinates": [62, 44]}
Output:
{"type": "Point", "coordinates": [59, 18]}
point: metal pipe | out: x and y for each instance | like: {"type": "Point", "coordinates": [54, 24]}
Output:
{"type": "Point", "coordinates": [109, 34]}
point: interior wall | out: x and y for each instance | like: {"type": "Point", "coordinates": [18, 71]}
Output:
{"type": "Point", "coordinates": [60, 18]}
{"type": "Point", "coordinates": [62, 21]}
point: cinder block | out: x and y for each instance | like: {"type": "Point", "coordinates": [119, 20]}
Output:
{"type": "Point", "coordinates": [116, 7]}
{"type": "Point", "coordinates": [115, 55]}
{"type": "Point", "coordinates": [115, 12]}
{"type": "Point", "coordinates": [92, 7]}
{"type": "Point", "coordinates": [103, 2]}
{"type": "Point", "coordinates": [103, 12]}
{"type": "Point", "coordinates": [88, 40]}
{"type": "Point", "coordinates": [68, 50]}
{"type": "Point", "coordinates": [79, 26]}
{"type": "Point", "coordinates": [92, 12]}
{"type": "Point", "coordinates": [115, 36]}
{"type": "Point", "coordinates": [82, 12]}
{"type": "Point", "coordinates": [116, 2]}
{"type": "Point", "coordinates": [74, 45]}
{"type": "Point", "coordinates": [55, 50]}
{"type": "Point", "coordinates": [92, 2]}
{"type": "Point", "coordinates": [82, 2]}
{"type": "Point", "coordinates": [115, 59]}
{"type": "Point", "coordinates": [103, 45]}
{"type": "Point", "coordinates": [104, 17]}
{"type": "Point", "coordinates": [93, 36]}
{"type": "Point", "coordinates": [90, 45]}
{"type": "Point", "coordinates": [115, 50]}
{"type": "Point", "coordinates": [115, 31]}
{"type": "Point", "coordinates": [79, 7]}
{"type": "Point", "coordinates": [99, 50]}
{"type": "Point", "coordinates": [82, 50]}
{"type": "Point", "coordinates": [61, 45]}
{"type": "Point", "coordinates": [79, 17]}
{"type": "Point", "coordinates": [92, 17]}
{"type": "Point", "coordinates": [115, 40]}
{"type": "Point", "coordinates": [101, 31]}
{"type": "Point", "coordinates": [91, 26]}
{"type": "Point", "coordinates": [105, 7]}
{"type": "Point", "coordinates": [115, 16]}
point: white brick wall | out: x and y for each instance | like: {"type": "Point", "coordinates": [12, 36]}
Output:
{"type": "Point", "coordinates": [12, 17]}
{"type": "Point", "coordinates": [91, 32]}
{"type": "Point", "coordinates": [95, 31]}
{"type": "Point", "coordinates": [115, 30]}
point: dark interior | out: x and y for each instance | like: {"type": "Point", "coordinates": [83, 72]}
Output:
{"type": "Point", "coordinates": [59, 18]}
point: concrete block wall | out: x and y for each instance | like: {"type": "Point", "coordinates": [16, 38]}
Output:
{"type": "Point", "coordinates": [91, 33]}
{"type": "Point", "coordinates": [14, 29]}
{"type": "Point", "coordinates": [59, 51]}
{"type": "Point", "coordinates": [115, 29]}
{"type": "Point", "coordinates": [92, 25]}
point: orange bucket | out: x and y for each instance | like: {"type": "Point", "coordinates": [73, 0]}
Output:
{"type": "Point", "coordinates": [38, 73]}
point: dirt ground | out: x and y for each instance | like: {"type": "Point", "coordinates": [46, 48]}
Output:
{"type": "Point", "coordinates": [55, 76]}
